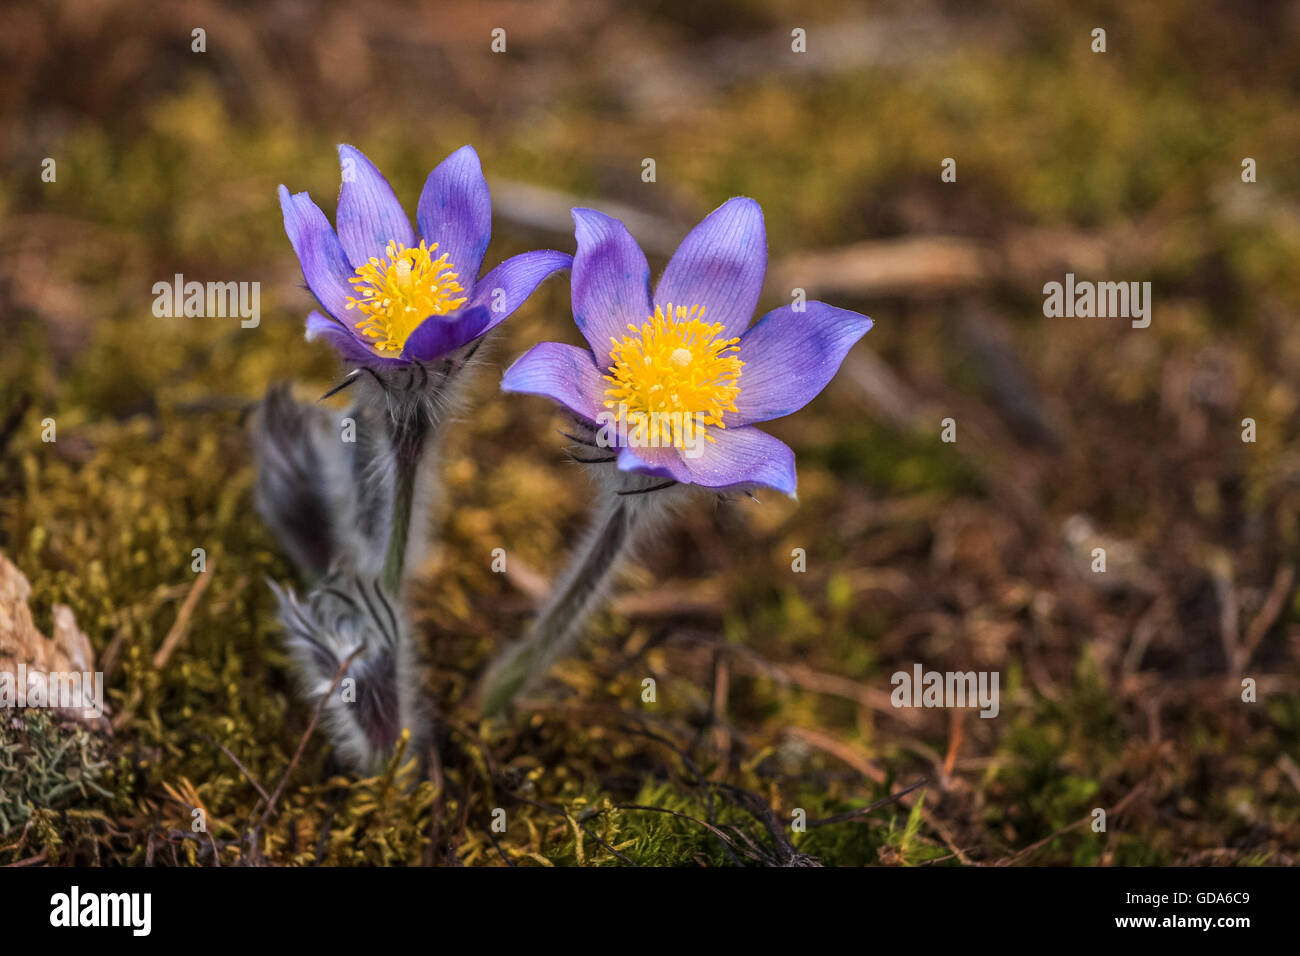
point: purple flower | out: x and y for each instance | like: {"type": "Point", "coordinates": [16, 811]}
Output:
{"type": "Point", "coordinates": [390, 297]}
{"type": "Point", "coordinates": [675, 380]}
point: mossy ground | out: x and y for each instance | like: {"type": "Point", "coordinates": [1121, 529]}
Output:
{"type": "Point", "coordinates": [772, 686]}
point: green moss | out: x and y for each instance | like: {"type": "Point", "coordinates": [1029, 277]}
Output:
{"type": "Point", "coordinates": [896, 462]}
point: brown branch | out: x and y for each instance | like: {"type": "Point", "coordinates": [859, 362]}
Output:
{"type": "Point", "coordinates": [242, 769]}
{"type": "Point", "coordinates": [1267, 616]}
{"type": "Point", "coordinates": [182, 624]}
{"type": "Point", "coordinates": [957, 723]}
{"type": "Point", "coordinates": [30, 861]}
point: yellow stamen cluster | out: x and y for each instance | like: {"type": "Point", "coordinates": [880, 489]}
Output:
{"type": "Point", "coordinates": [399, 292]}
{"type": "Point", "coordinates": [675, 367]}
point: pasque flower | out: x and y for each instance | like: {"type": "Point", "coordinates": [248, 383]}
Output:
{"type": "Point", "coordinates": [679, 365]}
{"type": "Point", "coordinates": [406, 308]}
{"type": "Point", "coordinates": [672, 384]}
{"type": "Point", "coordinates": [409, 309]}
{"type": "Point", "coordinates": [390, 297]}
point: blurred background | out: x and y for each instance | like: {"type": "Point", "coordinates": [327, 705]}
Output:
{"type": "Point", "coordinates": [1120, 690]}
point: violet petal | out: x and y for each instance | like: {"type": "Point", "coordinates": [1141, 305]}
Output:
{"type": "Point", "coordinates": [743, 456]}
{"type": "Point", "coordinates": [369, 214]}
{"type": "Point", "coordinates": [324, 266]}
{"type": "Point", "coordinates": [516, 278]}
{"type": "Point", "coordinates": [790, 357]}
{"type": "Point", "coordinates": [611, 280]}
{"type": "Point", "coordinates": [563, 373]}
{"type": "Point", "coordinates": [720, 265]}
{"type": "Point", "coordinates": [439, 335]}
{"type": "Point", "coordinates": [455, 211]}
{"type": "Point", "coordinates": [351, 348]}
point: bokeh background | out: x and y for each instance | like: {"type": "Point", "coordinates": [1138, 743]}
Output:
{"type": "Point", "coordinates": [1119, 690]}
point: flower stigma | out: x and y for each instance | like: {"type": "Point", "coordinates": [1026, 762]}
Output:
{"type": "Point", "coordinates": [399, 292]}
{"type": "Point", "coordinates": [675, 374]}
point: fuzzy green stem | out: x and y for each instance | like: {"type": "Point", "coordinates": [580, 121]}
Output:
{"type": "Point", "coordinates": [562, 619]}
{"type": "Point", "coordinates": [410, 442]}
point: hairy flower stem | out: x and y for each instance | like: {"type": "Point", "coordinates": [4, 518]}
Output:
{"type": "Point", "coordinates": [419, 400]}
{"type": "Point", "coordinates": [410, 440]}
{"type": "Point", "coordinates": [618, 522]}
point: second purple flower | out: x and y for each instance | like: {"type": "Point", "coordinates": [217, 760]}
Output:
{"type": "Point", "coordinates": [680, 374]}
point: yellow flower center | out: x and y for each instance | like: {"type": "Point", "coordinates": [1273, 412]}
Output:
{"type": "Point", "coordinates": [674, 368]}
{"type": "Point", "coordinates": [396, 294]}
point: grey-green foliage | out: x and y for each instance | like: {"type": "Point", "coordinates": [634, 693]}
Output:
{"type": "Point", "coordinates": [45, 764]}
